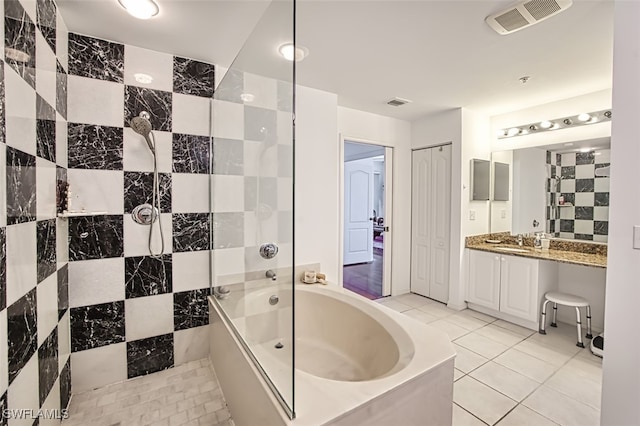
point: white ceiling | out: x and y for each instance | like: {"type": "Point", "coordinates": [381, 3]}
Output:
{"type": "Point", "coordinates": [439, 54]}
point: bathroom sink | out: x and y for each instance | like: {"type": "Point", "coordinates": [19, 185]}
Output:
{"type": "Point", "coordinates": [513, 249]}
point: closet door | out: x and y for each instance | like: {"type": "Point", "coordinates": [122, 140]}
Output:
{"type": "Point", "coordinates": [440, 223]}
{"type": "Point", "coordinates": [420, 226]}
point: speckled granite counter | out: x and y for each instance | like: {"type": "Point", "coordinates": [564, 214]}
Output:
{"type": "Point", "coordinates": [564, 251]}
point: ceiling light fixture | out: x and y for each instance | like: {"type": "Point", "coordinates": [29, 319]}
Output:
{"type": "Point", "coordinates": [143, 78]}
{"type": "Point", "coordinates": [556, 124]}
{"type": "Point", "coordinates": [287, 51]}
{"type": "Point", "coordinates": [141, 9]}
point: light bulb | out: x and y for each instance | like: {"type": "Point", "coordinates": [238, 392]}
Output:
{"type": "Point", "coordinates": [513, 131]}
{"type": "Point", "coordinates": [287, 50]}
{"type": "Point", "coordinates": [141, 9]}
{"type": "Point", "coordinates": [584, 117]}
{"type": "Point", "coordinates": [546, 124]}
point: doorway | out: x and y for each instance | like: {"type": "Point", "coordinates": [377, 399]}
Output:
{"type": "Point", "coordinates": [366, 256]}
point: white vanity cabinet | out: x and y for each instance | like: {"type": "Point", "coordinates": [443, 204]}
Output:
{"type": "Point", "coordinates": [511, 287]}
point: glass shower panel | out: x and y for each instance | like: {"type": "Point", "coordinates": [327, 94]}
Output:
{"type": "Point", "coordinates": [252, 199]}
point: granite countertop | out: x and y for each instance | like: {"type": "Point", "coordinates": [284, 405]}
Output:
{"type": "Point", "coordinates": [577, 253]}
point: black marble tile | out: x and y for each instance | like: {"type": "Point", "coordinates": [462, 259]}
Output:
{"type": "Point", "coordinates": [3, 268]}
{"type": "Point", "coordinates": [558, 160]}
{"type": "Point", "coordinates": [61, 90]}
{"type": "Point", "coordinates": [585, 158]}
{"type": "Point", "coordinates": [548, 213]}
{"type": "Point", "coordinates": [65, 385]}
{"type": "Point", "coordinates": [21, 186]}
{"type": "Point", "coordinates": [601, 227]}
{"type": "Point", "coordinates": [4, 420]}
{"type": "Point", "coordinates": [585, 185]}
{"type": "Point", "coordinates": [48, 364]}
{"type": "Point", "coordinates": [147, 356]}
{"type": "Point", "coordinates": [228, 157]}
{"type": "Point", "coordinates": [190, 231]}
{"type": "Point", "coordinates": [45, 130]}
{"type": "Point", "coordinates": [63, 291]}
{"type": "Point", "coordinates": [260, 124]}
{"type": "Point", "coordinates": [568, 172]}
{"type": "Point", "coordinates": [191, 77]}
{"type": "Point", "coordinates": [156, 102]}
{"type": "Point", "coordinates": [96, 58]}
{"type": "Point", "coordinates": [46, 17]}
{"type": "Point", "coordinates": [566, 225]}
{"type": "Point", "coordinates": [599, 166]}
{"type": "Point", "coordinates": [138, 189]}
{"type": "Point", "coordinates": [569, 197]}
{"type": "Point", "coordinates": [3, 129]}
{"type": "Point", "coordinates": [190, 309]}
{"type": "Point", "coordinates": [95, 147]}
{"type": "Point", "coordinates": [147, 276]}
{"type": "Point", "coordinates": [20, 41]}
{"type": "Point", "coordinates": [62, 189]}
{"type": "Point", "coordinates": [585, 237]}
{"type": "Point", "coordinates": [95, 237]}
{"type": "Point", "coordinates": [584, 213]}
{"type": "Point", "coordinates": [548, 157]}
{"type": "Point", "coordinates": [190, 154]}
{"type": "Point", "coordinates": [46, 237]}
{"type": "Point", "coordinates": [97, 325]}
{"type": "Point", "coordinates": [22, 332]}
{"type": "Point", "coordinates": [601, 198]}
{"type": "Point", "coordinates": [552, 226]}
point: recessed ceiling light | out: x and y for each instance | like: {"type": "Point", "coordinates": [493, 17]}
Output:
{"type": "Point", "coordinates": [287, 51]}
{"type": "Point", "coordinates": [143, 78]}
{"type": "Point", "coordinates": [546, 124]}
{"type": "Point", "coordinates": [584, 117]}
{"type": "Point", "coordinates": [141, 9]}
{"type": "Point", "coordinates": [247, 97]}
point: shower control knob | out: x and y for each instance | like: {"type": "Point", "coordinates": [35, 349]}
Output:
{"type": "Point", "coordinates": [268, 250]}
{"type": "Point", "coordinates": [144, 214]}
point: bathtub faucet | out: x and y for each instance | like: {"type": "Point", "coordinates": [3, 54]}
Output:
{"type": "Point", "coordinates": [221, 292]}
{"type": "Point", "coordinates": [270, 274]}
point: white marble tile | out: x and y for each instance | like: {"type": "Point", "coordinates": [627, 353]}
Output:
{"type": "Point", "coordinates": [523, 416]}
{"type": "Point", "coordinates": [601, 213]}
{"type": "Point", "coordinates": [526, 365]}
{"type": "Point", "coordinates": [62, 241]}
{"type": "Point", "coordinates": [148, 316]}
{"type": "Point", "coordinates": [585, 199]}
{"type": "Point", "coordinates": [64, 340]}
{"type": "Point", "coordinates": [466, 360]}
{"type": "Point", "coordinates": [420, 316]}
{"type": "Point", "coordinates": [583, 227]}
{"type": "Point", "coordinates": [585, 171]}
{"type": "Point", "coordinates": [260, 159]}
{"type": "Point", "coordinates": [463, 418]}
{"type": "Point", "coordinates": [568, 185]}
{"type": "Point", "coordinates": [568, 159]}
{"type": "Point", "coordinates": [30, 8]}
{"type": "Point", "coordinates": [466, 322]}
{"type": "Point", "coordinates": [264, 90]}
{"type": "Point", "coordinates": [226, 193]}
{"type": "Point", "coordinates": [96, 281]}
{"type": "Point", "coordinates": [481, 345]}
{"type": "Point", "coordinates": [47, 302]}
{"type": "Point", "coordinates": [562, 409]}
{"type": "Point", "coordinates": [190, 270]}
{"type": "Point", "coordinates": [3, 182]}
{"type": "Point", "coordinates": [285, 128]}
{"type": "Point", "coordinates": [45, 70]}
{"type": "Point", "coordinates": [602, 184]}
{"type": "Point", "coordinates": [603, 156]}
{"type": "Point", "coordinates": [228, 261]}
{"type": "Point", "coordinates": [285, 194]}
{"type": "Point", "coordinates": [600, 238]}
{"type": "Point", "coordinates": [23, 392]}
{"type": "Point", "coordinates": [479, 399]}
{"type": "Point", "coordinates": [136, 237]}
{"type": "Point", "coordinates": [190, 193]}
{"type": "Point", "coordinates": [51, 404]}
{"type": "Point", "coordinates": [228, 120]}
{"type": "Point", "coordinates": [97, 190]}
{"type": "Point", "coordinates": [525, 332]}
{"type": "Point", "coordinates": [500, 335]}
{"type": "Point", "coordinates": [157, 65]}
{"type": "Point", "coordinates": [191, 114]}
{"type": "Point", "coordinates": [20, 112]}
{"type": "Point", "coordinates": [190, 344]}
{"type": "Point", "coordinates": [506, 381]}
{"type": "Point", "coordinates": [579, 379]}
{"type": "Point", "coordinates": [45, 189]}
{"type": "Point", "coordinates": [137, 157]}
{"type": "Point", "coordinates": [95, 101]}
{"type": "Point", "coordinates": [21, 260]}
{"type": "Point", "coordinates": [567, 213]}
{"type": "Point", "coordinates": [98, 367]}
{"type": "Point", "coordinates": [62, 142]}
{"type": "Point", "coordinates": [4, 354]}
{"type": "Point", "coordinates": [452, 330]}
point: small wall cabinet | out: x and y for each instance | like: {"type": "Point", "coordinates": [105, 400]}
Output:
{"type": "Point", "coordinates": [510, 287]}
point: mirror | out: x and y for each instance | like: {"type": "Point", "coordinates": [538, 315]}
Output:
{"type": "Point", "coordinates": [480, 170]}
{"type": "Point", "coordinates": [500, 181]}
{"type": "Point", "coordinates": [564, 188]}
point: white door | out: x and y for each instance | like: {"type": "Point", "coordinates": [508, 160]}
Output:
{"type": "Point", "coordinates": [484, 279]}
{"type": "Point", "coordinates": [420, 229]}
{"type": "Point", "coordinates": [358, 211]}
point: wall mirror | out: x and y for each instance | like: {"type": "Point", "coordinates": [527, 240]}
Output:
{"type": "Point", "coordinates": [563, 188]}
{"type": "Point", "coordinates": [480, 179]}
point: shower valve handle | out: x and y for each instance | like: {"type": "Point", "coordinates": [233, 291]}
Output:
{"type": "Point", "coordinates": [268, 250]}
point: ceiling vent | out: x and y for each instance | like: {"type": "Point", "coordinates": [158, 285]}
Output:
{"type": "Point", "coordinates": [525, 14]}
{"type": "Point", "coordinates": [396, 102]}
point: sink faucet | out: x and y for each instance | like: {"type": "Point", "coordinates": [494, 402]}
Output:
{"type": "Point", "coordinates": [519, 239]}
{"type": "Point", "coordinates": [270, 274]}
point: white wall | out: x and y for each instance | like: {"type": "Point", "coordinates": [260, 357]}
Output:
{"type": "Point", "coordinates": [621, 369]}
{"type": "Point", "coordinates": [529, 197]}
{"type": "Point", "coordinates": [377, 129]}
{"type": "Point", "coordinates": [500, 208]}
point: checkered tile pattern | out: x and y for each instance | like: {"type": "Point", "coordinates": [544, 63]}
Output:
{"type": "Point", "coordinates": [585, 212]}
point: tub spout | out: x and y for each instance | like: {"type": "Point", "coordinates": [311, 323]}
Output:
{"type": "Point", "coordinates": [270, 274]}
{"type": "Point", "coordinates": [221, 292]}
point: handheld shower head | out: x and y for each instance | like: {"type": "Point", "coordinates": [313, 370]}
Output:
{"type": "Point", "coordinates": [142, 126]}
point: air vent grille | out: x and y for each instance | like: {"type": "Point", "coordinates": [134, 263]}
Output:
{"type": "Point", "coordinates": [540, 9]}
{"type": "Point", "coordinates": [512, 20]}
{"type": "Point", "coordinates": [396, 102]}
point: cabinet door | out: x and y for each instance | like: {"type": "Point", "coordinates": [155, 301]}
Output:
{"type": "Point", "coordinates": [484, 279]}
{"type": "Point", "coordinates": [519, 287]}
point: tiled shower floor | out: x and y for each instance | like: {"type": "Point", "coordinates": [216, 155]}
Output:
{"type": "Point", "coordinates": [185, 395]}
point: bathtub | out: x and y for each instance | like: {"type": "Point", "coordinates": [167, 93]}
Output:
{"type": "Point", "coordinates": [357, 362]}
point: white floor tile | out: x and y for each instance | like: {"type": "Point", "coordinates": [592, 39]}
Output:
{"type": "Point", "coordinates": [478, 315]}
{"type": "Point", "coordinates": [467, 361]}
{"type": "Point", "coordinates": [457, 374]}
{"type": "Point", "coordinates": [452, 330]}
{"type": "Point", "coordinates": [580, 380]}
{"type": "Point", "coordinates": [463, 418]}
{"type": "Point", "coordinates": [523, 416]}
{"type": "Point", "coordinates": [481, 345]}
{"type": "Point", "coordinates": [479, 399]}
{"type": "Point", "coordinates": [514, 328]}
{"type": "Point", "coordinates": [563, 337]}
{"type": "Point", "coordinates": [562, 409]}
{"type": "Point", "coordinates": [506, 381]}
{"type": "Point", "coordinates": [526, 365]}
{"type": "Point", "coordinates": [500, 335]}
{"type": "Point", "coordinates": [420, 316]}
{"type": "Point", "coordinates": [413, 300]}
{"type": "Point", "coordinates": [555, 356]}
{"type": "Point", "coordinates": [394, 304]}
{"type": "Point", "coordinates": [466, 321]}
{"type": "Point", "coordinates": [437, 310]}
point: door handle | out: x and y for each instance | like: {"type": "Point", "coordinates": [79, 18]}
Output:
{"type": "Point", "coordinates": [371, 219]}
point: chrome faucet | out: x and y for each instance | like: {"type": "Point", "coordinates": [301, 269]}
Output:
{"type": "Point", "coordinates": [519, 239]}
{"type": "Point", "coordinates": [270, 274]}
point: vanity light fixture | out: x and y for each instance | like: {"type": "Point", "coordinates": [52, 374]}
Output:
{"type": "Point", "coordinates": [546, 124]}
{"type": "Point", "coordinates": [513, 131]}
{"type": "Point", "coordinates": [143, 78]}
{"type": "Point", "coordinates": [141, 9]}
{"type": "Point", "coordinates": [556, 124]}
{"type": "Point", "coordinates": [533, 127]}
{"type": "Point", "coordinates": [585, 149]}
{"type": "Point", "coordinates": [288, 51]}
{"type": "Point", "coordinates": [584, 117]}
{"type": "Point", "coordinates": [567, 121]}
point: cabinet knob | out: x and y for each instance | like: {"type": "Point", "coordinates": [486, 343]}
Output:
{"type": "Point", "coordinates": [497, 258]}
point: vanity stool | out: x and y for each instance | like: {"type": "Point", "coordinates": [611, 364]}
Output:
{"type": "Point", "coordinates": [566, 299]}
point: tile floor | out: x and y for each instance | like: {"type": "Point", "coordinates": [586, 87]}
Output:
{"type": "Point", "coordinates": [185, 395]}
{"type": "Point", "coordinates": [509, 375]}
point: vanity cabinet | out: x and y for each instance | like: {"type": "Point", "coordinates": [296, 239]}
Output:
{"type": "Point", "coordinates": [509, 285]}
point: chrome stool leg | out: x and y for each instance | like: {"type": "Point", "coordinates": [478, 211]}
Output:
{"type": "Point", "coordinates": [543, 317]}
{"type": "Point", "coordinates": [589, 335]}
{"type": "Point", "coordinates": [579, 326]}
{"type": "Point", "coordinates": [555, 314]}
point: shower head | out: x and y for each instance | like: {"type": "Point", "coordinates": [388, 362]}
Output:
{"type": "Point", "coordinates": [142, 126]}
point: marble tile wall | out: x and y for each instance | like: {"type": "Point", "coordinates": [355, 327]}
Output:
{"type": "Point", "coordinates": [34, 306]}
{"type": "Point", "coordinates": [585, 214]}
{"type": "Point", "coordinates": [133, 313]}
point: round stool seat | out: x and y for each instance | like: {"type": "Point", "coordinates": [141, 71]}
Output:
{"type": "Point", "coordinates": [566, 299]}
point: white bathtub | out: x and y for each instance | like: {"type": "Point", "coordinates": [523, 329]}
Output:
{"type": "Point", "coordinates": [357, 362]}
